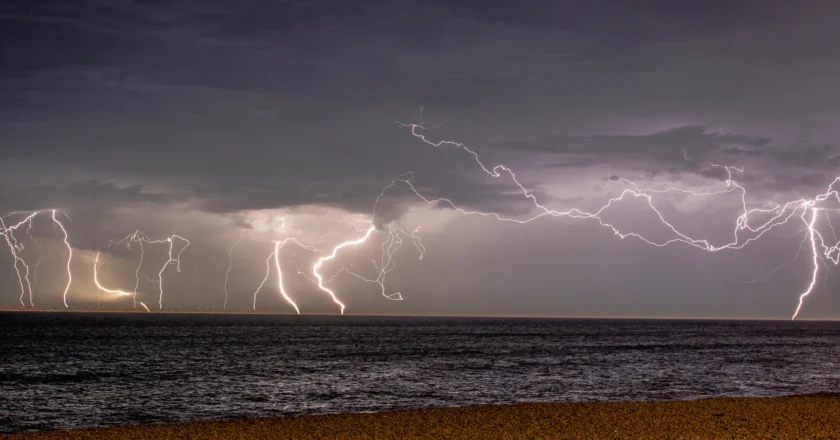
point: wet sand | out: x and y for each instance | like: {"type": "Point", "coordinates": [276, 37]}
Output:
{"type": "Point", "coordinates": [815, 416]}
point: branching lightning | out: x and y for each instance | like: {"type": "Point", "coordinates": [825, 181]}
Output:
{"type": "Point", "coordinates": [275, 255]}
{"type": "Point", "coordinates": [15, 247]}
{"type": "Point", "coordinates": [751, 224]}
{"type": "Point", "coordinates": [386, 264]}
{"type": "Point", "coordinates": [746, 229]}
{"type": "Point", "coordinates": [22, 269]}
{"type": "Point", "coordinates": [332, 256]}
{"type": "Point", "coordinates": [174, 258]}
{"type": "Point", "coordinates": [812, 234]}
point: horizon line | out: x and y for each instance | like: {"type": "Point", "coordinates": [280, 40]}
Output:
{"type": "Point", "coordinates": [207, 312]}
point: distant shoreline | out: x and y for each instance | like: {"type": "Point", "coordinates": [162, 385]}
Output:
{"type": "Point", "coordinates": [19, 309]}
{"type": "Point", "coordinates": [800, 417]}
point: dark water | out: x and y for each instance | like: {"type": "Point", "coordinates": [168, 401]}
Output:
{"type": "Point", "coordinates": [68, 370]}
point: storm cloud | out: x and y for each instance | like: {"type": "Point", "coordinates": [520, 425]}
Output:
{"type": "Point", "coordinates": [210, 118]}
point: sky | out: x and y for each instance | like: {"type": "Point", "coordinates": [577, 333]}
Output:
{"type": "Point", "coordinates": [219, 120]}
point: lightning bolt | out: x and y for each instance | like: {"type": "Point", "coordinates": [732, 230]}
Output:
{"type": "Point", "coordinates": [139, 238]}
{"type": "Point", "coordinates": [144, 306]}
{"type": "Point", "coordinates": [746, 229]}
{"type": "Point", "coordinates": [267, 272]}
{"type": "Point", "coordinates": [230, 266]}
{"type": "Point", "coordinates": [100, 286]}
{"type": "Point", "coordinates": [66, 241]}
{"type": "Point", "coordinates": [750, 225]}
{"type": "Point", "coordinates": [277, 247]}
{"type": "Point", "coordinates": [812, 234]}
{"type": "Point", "coordinates": [137, 276]}
{"type": "Point", "coordinates": [386, 264]}
{"type": "Point", "coordinates": [15, 246]}
{"type": "Point", "coordinates": [331, 256]}
{"type": "Point", "coordinates": [174, 258]}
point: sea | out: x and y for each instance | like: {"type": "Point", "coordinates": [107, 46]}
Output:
{"type": "Point", "coordinates": [76, 370]}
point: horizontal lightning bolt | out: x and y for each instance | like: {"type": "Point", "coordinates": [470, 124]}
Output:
{"type": "Point", "coordinates": [750, 225]}
{"type": "Point", "coordinates": [779, 215]}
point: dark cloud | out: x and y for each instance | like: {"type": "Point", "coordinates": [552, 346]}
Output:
{"type": "Point", "coordinates": [694, 150]}
{"type": "Point", "coordinates": [76, 194]}
{"type": "Point", "coordinates": [791, 182]}
{"type": "Point", "coordinates": [668, 145]}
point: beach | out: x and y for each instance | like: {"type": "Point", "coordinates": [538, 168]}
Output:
{"type": "Point", "coordinates": [802, 417]}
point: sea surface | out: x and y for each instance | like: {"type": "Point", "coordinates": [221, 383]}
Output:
{"type": "Point", "coordinates": [73, 370]}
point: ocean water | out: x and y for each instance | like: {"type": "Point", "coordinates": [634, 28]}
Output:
{"type": "Point", "coordinates": [72, 370]}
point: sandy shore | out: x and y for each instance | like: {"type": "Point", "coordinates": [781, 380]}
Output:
{"type": "Point", "coordinates": [800, 417]}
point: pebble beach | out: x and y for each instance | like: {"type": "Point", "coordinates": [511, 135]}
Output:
{"type": "Point", "coordinates": [796, 417]}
